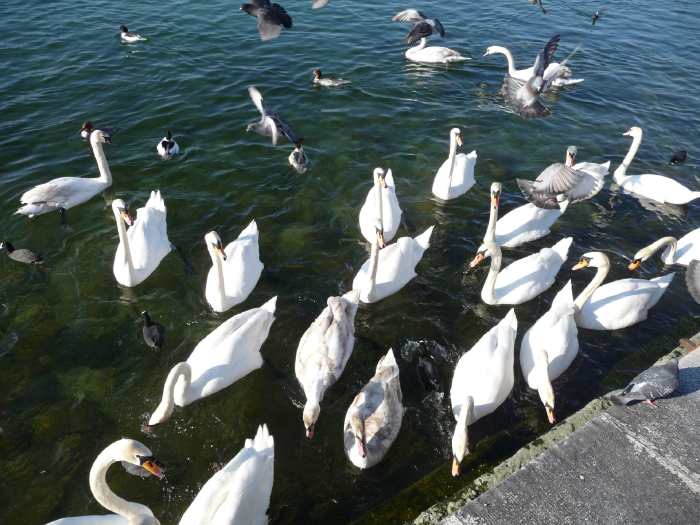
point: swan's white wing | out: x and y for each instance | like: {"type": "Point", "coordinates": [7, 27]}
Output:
{"type": "Point", "coordinates": [592, 181]}
{"type": "Point", "coordinates": [659, 188]}
{"type": "Point", "coordinates": [240, 492]}
{"type": "Point", "coordinates": [108, 519]}
{"type": "Point", "coordinates": [688, 248]}
{"type": "Point", "coordinates": [242, 267]}
{"type": "Point", "coordinates": [524, 224]}
{"type": "Point", "coordinates": [148, 237]}
{"type": "Point", "coordinates": [409, 15]}
{"type": "Point", "coordinates": [622, 303]}
{"type": "Point", "coordinates": [446, 187]}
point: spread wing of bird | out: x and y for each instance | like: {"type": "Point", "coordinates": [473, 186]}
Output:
{"type": "Point", "coordinates": [557, 178]}
{"type": "Point", "coordinates": [544, 57]}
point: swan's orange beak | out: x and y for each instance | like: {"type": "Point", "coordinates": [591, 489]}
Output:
{"type": "Point", "coordinates": [583, 263]}
{"type": "Point", "coordinates": [476, 260]}
{"type": "Point", "coordinates": [456, 468]}
{"type": "Point", "coordinates": [152, 467]}
{"type": "Point", "coordinates": [550, 414]}
{"type": "Point", "coordinates": [634, 265]}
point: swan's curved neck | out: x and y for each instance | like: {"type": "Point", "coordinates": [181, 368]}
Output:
{"type": "Point", "coordinates": [597, 280]}
{"type": "Point", "coordinates": [104, 495]}
{"type": "Point", "coordinates": [218, 266]}
{"type": "Point", "coordinates": [373, 265]}
{"type": "Point", "coordinates": [124, 240]}
{"type": "Point", "coordinates": [489, 289]}
{"type": "Point", "coordinates": [167, 404]}
{"type": "Point", "coordinates": [621, 170]}
{"type": "Point", "coordinates": [379, 196]}
{"type": "Point", "coordinates": [505, 51]}
{"type": "Point", "coordinates": [423, 42]}
{"type": "Point", "coordinates": [102, 166]}
{"type": "Point", "coordinates": [671, 242]}
{"type": "Point", "coordinates": [452, 157]}
{"type": "Point", "coordinates": [490, 234]}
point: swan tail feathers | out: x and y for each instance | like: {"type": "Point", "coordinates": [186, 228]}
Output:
{"type": "Point", "coordinates": [472, 155]}
{"type": "Point", "coordinates": [388, 367]}
{"type": "Point", "coordinates": [30, 210]}
{"type": "Point", "coordinates": [563, 303]}
{"type": "Point", "coordinates": [263, 440]}
{"type": "Point", "coordinates": [270, 305]}
{"type": "Point", "coordinates": [510, 321]}
{"type": "Point", "coordinates": [156, 201]}
{"type": "Point", "coordinates": [250, 231]}
{"type": "Point", "coordinates": [562, 247]}
{"type": "Point", "coordinates": [692, 279]}
{"type": "Point", "coordinates": [389, 179]}
{"type": "Point", "coordinates": [423, 239]}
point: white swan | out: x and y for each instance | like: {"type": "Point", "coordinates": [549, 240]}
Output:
{"type": "Point", "coordinates": [563, 76]}
{"type": "Point", "coordinates": [456, 175]}
{"type": "Point", "coordinates": [235, 270]}
{"type": "Point", "coordinates": [549, 347]}
{"type": "Point", "coordinates": [240, 492]}
{"type": "Point", "coordinates": [228, 353]}
{"type": "Point", "coordinates": [523, 279]}
{"type": "Point", "coordinates": [687, 249]}
{"type": "Point", "coordinates": [144, 244]}
{"type": "Point", "coordinates": [424, 54]}
{"type": "Point", "coordinates": [167, 147]}
{"type": "Point", "coordinates": [617, 304]}
{"type": "Point", "coordinates": [669, 256]}
{"type": "Point", "coordinates": [66, 192]}
{"type": "Point", "coordinates": [482, 380]}
{"type": "Point", "coordinates": [125, 512]}
{"type": "Point", "coordinates": [385, 210]}
{"type": "Point", "coordinates": [526, 223]}
{"type": "Point", "coordinates": [323, 352]}
{"type": "Point", "coordinates": [391, 268]}
{"type": "Point", "coordinates": [373, 419]}
{"type": "Point", "coordinates": [654, 187]}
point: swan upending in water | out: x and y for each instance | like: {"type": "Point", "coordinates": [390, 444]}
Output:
{"type": "Point", "coordinates": [66, 192]}
{"type": "Point", "coordinates": [456, 175]}
{"type": "Point", "coordinates": [654, 187]}
{"type": "Point", "coordinates": [235, 270]}
{"type": "Point", "coordinates": [424, 27]}
{"type": "Point", "coordinates": [125, 512]}
{"type": "Point", "coordinates": [228, 353]}
{"type": "Point", "coordinates": [240, 492]}
{"type": "Point", "coordinates": [323, 352]}
{"type": "Point", "coordinates": [271, 18]}
{"type": "Point", "coordinates": [144, 244]}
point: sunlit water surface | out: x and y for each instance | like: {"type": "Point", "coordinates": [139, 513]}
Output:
{"type": "Point", "coordinates": [74, 372]}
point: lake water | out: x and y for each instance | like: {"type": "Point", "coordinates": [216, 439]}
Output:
{"type": "Point", "coordinates": [74, 372]}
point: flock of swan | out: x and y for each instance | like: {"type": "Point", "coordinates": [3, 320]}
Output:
{"type": "Point", "coordinates": [483, 377]}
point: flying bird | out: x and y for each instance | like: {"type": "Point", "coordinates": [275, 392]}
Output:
{"type": "Point", "coordinates": [271, 18]}
{"type": "Point", "coordinates": [423, 26]}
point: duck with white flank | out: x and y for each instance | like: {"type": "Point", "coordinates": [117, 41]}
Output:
{"type": "Point", "coordinates": [66, 192]}
{"type": "Point", "coordinates": [272, 125]}
{"type": "Point", "coordinates": [320, 80]}
{"type": "Point", "coordinates": [129, 36]}
{"type": "Point", "coordinates": [20, 255]}
{"type": "Point", "coordinates": [424, 27]}
{"type": "Point", "coordinates": [271, 18]}
{"type": "Point", "coordinates": [167, 147]}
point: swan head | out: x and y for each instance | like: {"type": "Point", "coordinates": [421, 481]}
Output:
{"type": "Point", "coordinates": [546, 393]}
{"type": "Point", "coordinates": [593, 260]}
{"type": "Point", "coordinates": [137, 454]}
{"type": "Point", "coordinates": [86, 129]}
{"type": "Point", "coordinates": [457, 134]}
{"type": "Point", "coordinates": [121, 211]}
{"type": "Point", "coordinates": [486, 250]}
{"type": "Point", "coordinates": [311, 412]}
{"type": "Point", "coordinates": [357, 427]}
{"type": "Point", "coordinates": [571, 153]}
{"type": "Point", "coordinates": [214, 245]}
{"type": "Point", "coordinates": [98, 136]}
{"type": "Point", "coordinates": [495, 194]}
{"type": "Point", "coordinates": [379, 177]}
{"type": "Point", "coordinates": [492, 50]}
{"type": "Point", "coordinates": [460, 438]}
{"type": "Point", "coordinates": [635, 132]}
{"type": "Point", "coordinates": [646, 252]}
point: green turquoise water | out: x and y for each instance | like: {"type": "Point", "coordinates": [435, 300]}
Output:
{"type": "Point", "coordinates": [74, 372]}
